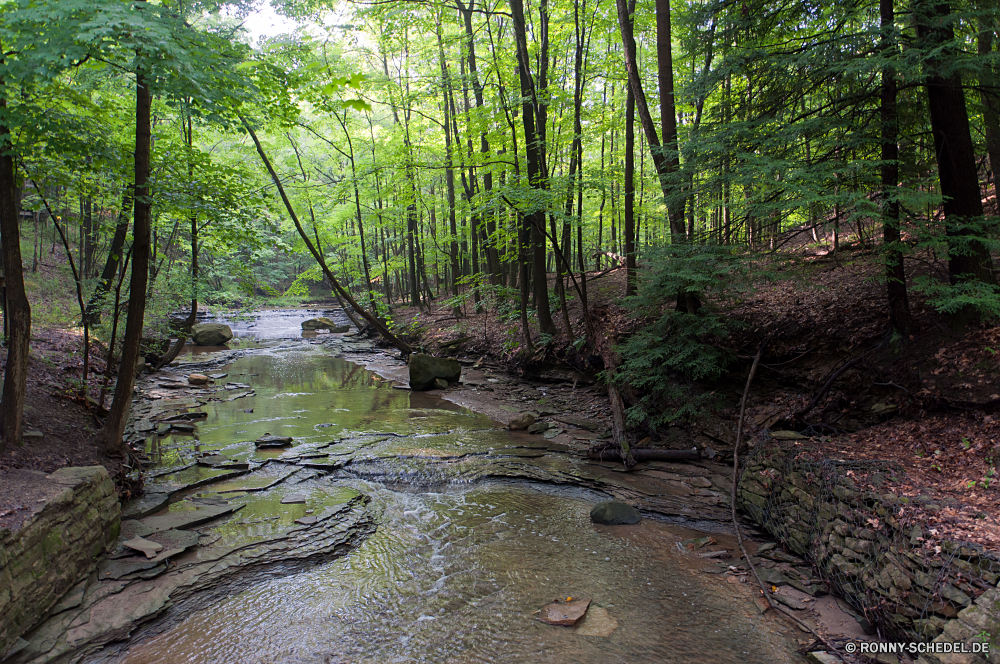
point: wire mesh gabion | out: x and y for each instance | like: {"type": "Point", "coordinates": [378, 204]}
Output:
{"type": "Point", "coordinates": [861, 543]}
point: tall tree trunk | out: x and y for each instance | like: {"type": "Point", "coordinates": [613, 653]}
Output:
{"type": "Point", "coordinates": [114, 256]}
{"type": "Point", "coordinates": [663, 168]}
{"type": "Point", "coordinates": [488, 234]}
{"type": "Point", "coordinates": [193, 316]}
{"type": "Point", "coordinates": [989, 94]}
{"type": "Point", "coordinates": [357, 209]}
{"type": "Point", "coordinates": [110, 436]}
{"type": "Point", "coordinates": [895, 275]}
{"type": "Point", "coordinates": [449, 170]}
{"type": "Point", "coordinates": [970, 258]}
{"type": "Point", "coordinates": [535, 140]}
{"type": "Point", "coordinates": [668, 113]}
{"type": "Point", "coordinates": [17, 310]}
{"type": "Point", "coordinates": [90, 236]}
{"type": "Point", "coordinates": [629, 230]}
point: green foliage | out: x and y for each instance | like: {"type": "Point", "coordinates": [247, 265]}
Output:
{"type": "Point", "coordinates": [675, 347]}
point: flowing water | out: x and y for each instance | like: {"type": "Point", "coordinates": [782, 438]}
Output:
{"type": "Point", "coordinates": [464, 553]}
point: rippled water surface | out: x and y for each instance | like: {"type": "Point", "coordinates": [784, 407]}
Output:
{"type": "Point", "coordinates": [457, 567]}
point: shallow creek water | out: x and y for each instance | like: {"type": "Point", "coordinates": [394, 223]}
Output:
{"type": "Point", "coordinates": [461, 557]}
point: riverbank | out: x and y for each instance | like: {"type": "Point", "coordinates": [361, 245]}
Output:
{"type": "Point", "coordinates": [693, 496]}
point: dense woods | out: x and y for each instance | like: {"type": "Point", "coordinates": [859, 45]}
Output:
{"type": "Point", "coordinates": [490, 156]}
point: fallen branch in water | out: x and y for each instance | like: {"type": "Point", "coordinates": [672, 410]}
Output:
{"type": "Point", "coordinates": [610, 454]}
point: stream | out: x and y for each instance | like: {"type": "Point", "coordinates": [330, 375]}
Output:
{"type": "Point", "coordinates": [475, 529]}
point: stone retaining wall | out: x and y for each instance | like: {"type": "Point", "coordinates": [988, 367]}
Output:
{"type": "Point", "coordinates": [914, 589]}
{"type": "Point", "coordinates": [57, 545]}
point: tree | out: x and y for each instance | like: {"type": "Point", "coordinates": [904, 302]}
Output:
{"type": "Point", "coordinates": [895, 274]}
{"type": "Point", "coordinates": [969, 257]}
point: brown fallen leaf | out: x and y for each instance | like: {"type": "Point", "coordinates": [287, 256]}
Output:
{"type": "Point", "coordinates": [564, 613]}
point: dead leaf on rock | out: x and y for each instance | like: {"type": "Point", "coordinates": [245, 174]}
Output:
{"type": "Point", "coordinates": [564, 613]}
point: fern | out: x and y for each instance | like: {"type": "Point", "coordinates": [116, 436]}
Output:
{"type": "Point", "coordinates": [675, 349]}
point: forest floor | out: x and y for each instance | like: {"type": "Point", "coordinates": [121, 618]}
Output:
{"type": "Point", "coordinates": [58, 430]}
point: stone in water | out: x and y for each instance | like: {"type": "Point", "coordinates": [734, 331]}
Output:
{"type": "Point", "coordinates": [293, 498]}
{"type": "Point", "coordinates": [307, 520]}
{"type": "Point", "coordinates": [440, 384]}
{"type": "Point", "coordinates": [210, 334]}
{"type": "Point", "coordinates": [522, 421]}
{"type": "Point", "coordinates": [538, 427]}
{"type": "Point", "coordinates": [199, 379]}
{"type": "Point", "coordinates": [320, 323]}
{"type": "Point", "coordinates": [614, 513]}
{"type": "Point", "coordinates": [597, 622]}
{"type": "Point", "coordinates": [425, 368]}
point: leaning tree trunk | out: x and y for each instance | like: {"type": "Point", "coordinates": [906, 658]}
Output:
{"type": "Point", "coordinates": [18, 310]}
{"type": "Point", "coordinates": [370, 318]}
{"type": "Point", "coordinates": [114, 257]}
{"type": "Point", "coordinates": [110, 436]}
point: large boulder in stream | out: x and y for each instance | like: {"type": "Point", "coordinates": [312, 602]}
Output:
{"type": "Point", "coordinates": [424, 369]}
{"type": "Point", "coordinates": [211, 334]}
{"type": "Point", "coordinates": [614, 513]}
{"type": "Point", "coordinates": [324, 323]}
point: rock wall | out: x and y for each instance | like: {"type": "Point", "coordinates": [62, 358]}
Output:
{"type": "Point", "coordinates": [914, 588]}
{"type": "Point", "coordinates": [60, 543]}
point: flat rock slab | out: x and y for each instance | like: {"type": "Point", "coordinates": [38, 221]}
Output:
{"type": "Point", "coordinates": [173, 542]}
{"type": "Point", "coordinates": [269, 441]}
{"type": "Point", "coordinates": [252, 483]}
{"type": "Point", "coordinates": [186, 515]}
{"type": "Point", "coordinates": [579, 421]}
{"type": "Point", "coordinates": [293, 498]}
{"type": "Point", "coordinates": [116, 569]}
{"type": "Point", "coordinates": [425, 453]}
{"type": "Point", "coordinates": [144, 506]}
{"type": "Point", "coordinates": [193, 477]}
{"type": "Point", "coordinates": [307, 520]}
{"type": "Point", "coordinates": [213, 460]}
{"type": "Point", "coordinates": [564, 613]}
{"type": "Point", "coordinates": [145, 546]}
{"type": "Point", "coordinates": [328, 466]}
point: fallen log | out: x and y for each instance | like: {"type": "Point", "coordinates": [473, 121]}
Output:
{"type": "Point", "coordinates": [645, 455]}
